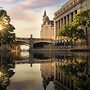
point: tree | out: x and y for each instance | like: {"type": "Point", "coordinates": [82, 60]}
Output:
{"type": "Point", "coordinates": [72, 32]}
{"type": "Point", "coordinates": [75, 70]}
{"type": "Point", "coordinates": [83, 20]}
{"type": "Point", "coordinates": [77, 29]}
{"type": "Point", "coordinates": [7, 64]}
{"type": "Point", "coordinates": [6, 29]}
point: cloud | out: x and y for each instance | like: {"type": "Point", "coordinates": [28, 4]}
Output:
{"type": "Point", "coordinates": [19, 14]}
{"type": "Point", "coordinates": [26, 15]}
{"type": "Point", "coordinates": [32, 4]}
{"type": "Point", "coordinates": [24, 10]}
{"type": "Point", "coordinates": [7, 1]}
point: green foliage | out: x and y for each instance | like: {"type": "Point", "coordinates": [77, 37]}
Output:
{"type": "Point", "coordinates": [64, 31]}
{"type": "Point", "coordinates": [7, 64]}
{"type": "Point", "coordinates": [75, 70]}
{"type": "Point", "coordinates": [74, 31]}
{"type": "Point", "coordinates": [73, 67]}
{"type": "Point", "coordinates": [10, 38]}
{"type": "Point", "coordinates": [83, 18]}
{"type": "Point", "coordinates": [6, 34]}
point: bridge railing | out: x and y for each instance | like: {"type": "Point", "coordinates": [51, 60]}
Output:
{"type": "Point", "coordinates": [42, 39]}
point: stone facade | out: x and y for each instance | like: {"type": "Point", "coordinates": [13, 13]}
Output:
{"type": "Point", "coordinates": [64, 16]}
{"type": "Point", "coordinates": [47, 28]}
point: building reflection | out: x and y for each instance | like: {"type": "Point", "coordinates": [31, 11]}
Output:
{"type": "Point", "coordinates": [61, 79]}
{"type": "Point", "coordinates": [47, 73]}
{"type": "Point", "coordinates": [72, 74]}
{"type": "Point", "coordinates": [67, 73]}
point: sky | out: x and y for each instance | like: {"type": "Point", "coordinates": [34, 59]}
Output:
{"type": "Point", "coordinates": [26, 15]}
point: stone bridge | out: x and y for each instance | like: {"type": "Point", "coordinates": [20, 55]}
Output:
{"type": "Point", "coordinates": [33, 42]}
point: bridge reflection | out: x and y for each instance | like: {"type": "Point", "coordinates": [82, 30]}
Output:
{"type": "Point", "coordinates": [49, 56]}
{"type": "Point", "coordinates": [68, 71]}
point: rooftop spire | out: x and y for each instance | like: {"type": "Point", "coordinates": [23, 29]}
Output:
{"type": "Point", "coordinates": [44, 13]}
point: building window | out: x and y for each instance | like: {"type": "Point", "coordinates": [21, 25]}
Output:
{"type": "Point", "coordinates": [72, 17]}
{"type": "Point", "coordinates": [68, 19]}
{"type": "Point", "coordinates": [65, 20]}
{"type": "Point", "coordinates": [61, 21]}
{"type": "Point", "coordinates": [56, 26]}
{"type": "Point", "coordinates": [75, 11]}
{"type": "Point", "coordinates": [56, 14]}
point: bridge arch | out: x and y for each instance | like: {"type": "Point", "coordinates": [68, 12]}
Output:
{"type": "Point", "coordinates": [40, 44]}
{"type": "Point", "coordinates": [22, 43]}
{"type": "Point", "coordinates": [33, 42]}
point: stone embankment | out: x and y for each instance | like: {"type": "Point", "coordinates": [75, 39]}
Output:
{"type": "Point", "coordinates": [50, 48]}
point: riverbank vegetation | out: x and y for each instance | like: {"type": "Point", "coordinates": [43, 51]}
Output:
{"type": "Point", "coordinates": [7, 35]}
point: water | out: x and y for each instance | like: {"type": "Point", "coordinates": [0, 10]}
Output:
{"type": "Point", "coordinates": [45, 71]}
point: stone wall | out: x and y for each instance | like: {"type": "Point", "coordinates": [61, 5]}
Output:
{"type": "Point", "coordinates": [47, 31]}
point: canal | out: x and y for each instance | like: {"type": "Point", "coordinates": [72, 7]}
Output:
{"type": "Point", "coordinates": [45, 71]}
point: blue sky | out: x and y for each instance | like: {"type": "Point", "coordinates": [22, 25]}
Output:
{"type": "Point", "coordinates": [26, 15]}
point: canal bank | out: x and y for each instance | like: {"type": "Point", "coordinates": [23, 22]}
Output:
{"type": "Point", "coordinates": [12, 48]}
{"type": "Point", "coordinates": [62, 48]}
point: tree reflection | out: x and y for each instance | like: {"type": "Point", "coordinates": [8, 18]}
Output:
{"type": "Point", "coordinates": [7, 64]}
{"type": "Point", "coordinates": [77, 71]}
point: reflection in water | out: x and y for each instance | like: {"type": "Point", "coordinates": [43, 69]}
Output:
{"type": "Point", "coordinates": [77, 72]}
{"type": "Point", "coordinates": [24, 47]}
{"type": "Point", "coordinates": [67, 71]}
{"type": "Point", "coordinates": [47, 71]}
{"type": "Point", "coordinates": [24, 54]}
{"type": "Point", "coordinates": [7, 63]}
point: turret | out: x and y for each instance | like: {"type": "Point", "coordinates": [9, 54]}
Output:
{"type": "Point", "coordinates": [44, 13]}
{"type": "Point", "coordinates": [46, 20]}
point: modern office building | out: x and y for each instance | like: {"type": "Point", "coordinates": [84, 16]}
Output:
{"type": "Point", "coordinates": [47, 28]}
{"type": "Point", "coordinates": [65, 15]}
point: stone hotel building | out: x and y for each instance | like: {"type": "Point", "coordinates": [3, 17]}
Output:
{"type": "Point", "coordinates": [64, 16]}
{"type": "Point", "coordinates": [47, 28]}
